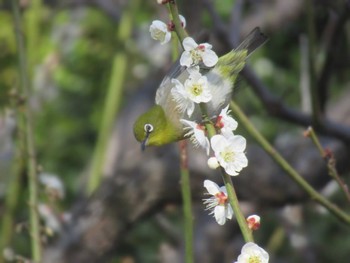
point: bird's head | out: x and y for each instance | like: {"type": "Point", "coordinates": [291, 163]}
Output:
{"type": "Point", "coordinates": [153, 128]}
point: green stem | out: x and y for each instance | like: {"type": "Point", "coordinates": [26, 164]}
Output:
{"type": "Point", "coordinates": [29, 136]}
{"type": "Point", "coordinates": [33, 33]}
{"type": "Point", "coordinates": [180, 31]}
{"type": "Point", "coordinates": [233, 199]}
{"type": "Point", "coordinates": [187, 202]}
{"type": "Point", "coordinates": [112, 99]}
{"type": "Point", "coordinates": [232, 196]}
{"type": "Point", "coordinates": [340, 214]}
{"type": "Point", "coordinates": [185, 178]}
{"type": "Point", "coordinates": [12, 193]}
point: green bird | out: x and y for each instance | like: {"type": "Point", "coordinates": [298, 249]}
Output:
{"type": "Point", "coordinates": [161, 124]}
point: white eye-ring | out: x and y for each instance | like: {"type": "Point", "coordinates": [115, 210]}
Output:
{"type": "Point", "coordinates": [148, 127]}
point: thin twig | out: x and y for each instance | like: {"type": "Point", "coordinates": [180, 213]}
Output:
{"type": "Point", "coordinates": [328, 156]}
{"type": "Point", "coordinates": [31, 156]}
{"type": "Point", "coordinates": [331, 51]}
{"type": "Point", "coordinates": [187, 201]}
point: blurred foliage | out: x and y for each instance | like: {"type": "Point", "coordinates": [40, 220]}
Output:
{"type": "Point", "coordinates": [69, 83]}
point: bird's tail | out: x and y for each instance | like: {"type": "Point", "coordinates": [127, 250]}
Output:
{"type": "Point", "coordinates": [233, 62]}
{"type": "Point", "coordinates": [251, 42]}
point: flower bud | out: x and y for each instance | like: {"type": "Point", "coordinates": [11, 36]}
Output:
{"type": "Point", "coordinates": [213, 163]}
{"type": "Point", "coordinates": [253, 222]}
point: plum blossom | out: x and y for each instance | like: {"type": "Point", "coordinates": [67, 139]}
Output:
{"type": "Point", "coordinates": [218, 203]}
{"type": "Point", "coordinates": [194, 90]}
{"type": "Point", "coordinates": [229, 152]}
{"type": "Point", "coordinates": [225, 122]}
{"type": "Point", "coordinates": [195, 53]}
{"type": "Point", "coordinates": [162, 32]}
{"type": "Point", "coordinates": [159, 31]}
{"type": "Point", "coordinates": [252, 253]}
{"type": "Point", "coordinates": [196, 132]}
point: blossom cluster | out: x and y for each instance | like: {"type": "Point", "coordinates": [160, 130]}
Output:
{"type": "Point", "coordinates": [227, 147]}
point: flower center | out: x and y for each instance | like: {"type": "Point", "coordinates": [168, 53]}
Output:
{"type": "Point", "coordinates": [196, 55]}
{"type": "Point", "coordinates": [221, 198]}
{"type": "Point", "coordinates": [228, 156]}
{"type": "Point", "coordinates": [196, 89]}
{"type": "Point", "coordinates": [159, 34]}
{"type": "Point", "coordinates": [254, 259]}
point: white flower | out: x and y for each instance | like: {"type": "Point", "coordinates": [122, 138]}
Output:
{"type": "Point", "coordinates": [194, 90]}
{"type": "Point", "coordinates": [159, 31]}
{"type": "Point", "coordinates": [213, 163]}
{"type": "Point", "coordinates": [252, 253]}
{"type": "Point", "coordinates": [225, 122]}
{"type": "Point", "coordinates": [181, 97]}
{"type": "Point", "coordinates": [230, 152]}
{"type": "Point", "coordinates": [197, 134]}
{"type": "Point", "coordinates": [218, 203]}
{"type": "Point", "coordinates": [53, 184]}
{"type": "Point", "coordinates": [162, 32]}
{"type": "Point", "coordinates": [196, 87]}
{"type": "Point", "coordinates": [194, 54]}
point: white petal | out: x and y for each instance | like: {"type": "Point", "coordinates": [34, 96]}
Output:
{"type": "Point", "coordinates": [166, 39]}
{"type": "Point", "coordinates": [219, 213]}
{"type": "Point", "coordinates": [195, 75]}
{"type": "Point", "coordinates": [211, 187]}
{"type": "Point", "coordinates": [231, 170]}
{"type": "Point", "coordinates": [238, 143]}
{"type": "Point", "coordinates": [186, 59]}
{"type": "Point", "coordinates": [183, 21]}
{"type": "Point", "coordinates": [190, 108]}
{"type": "Point", "coordinates": [229, 212]}
{"type": "Point", "coordinates": [225, 110]}
{"type": "Point", "coordinates": [227, 132]}
{"type": "Point", "coordinates": [210, 58]}
{"type": "Point", "coordinates": [189, 44]}
{"type": "Point", "coordinates": [218, 142]}
{"type": "Point", "coordinates": [207, 46]}
{"type": "Point", "coordinates": [202, 139]}
{"type": "Point", "coordinates": [159, 25]}
{"type": "Point", "coordinates": [241, 160]}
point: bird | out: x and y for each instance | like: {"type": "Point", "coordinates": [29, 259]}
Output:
{"type": "Point", "coordinates": [162, 124]}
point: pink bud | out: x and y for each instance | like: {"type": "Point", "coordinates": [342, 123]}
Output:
{"type": "Point", "coordinates": [253, 222]}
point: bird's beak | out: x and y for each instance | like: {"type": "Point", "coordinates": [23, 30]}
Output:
{"type": "Point", "coordinates": [144, 142]}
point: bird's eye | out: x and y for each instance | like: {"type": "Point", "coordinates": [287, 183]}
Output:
{"type": "Point", "coordinates": [148, 128]}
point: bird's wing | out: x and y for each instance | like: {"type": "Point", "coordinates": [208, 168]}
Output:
{"type": "Point", "coordinates": [163, 92]}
